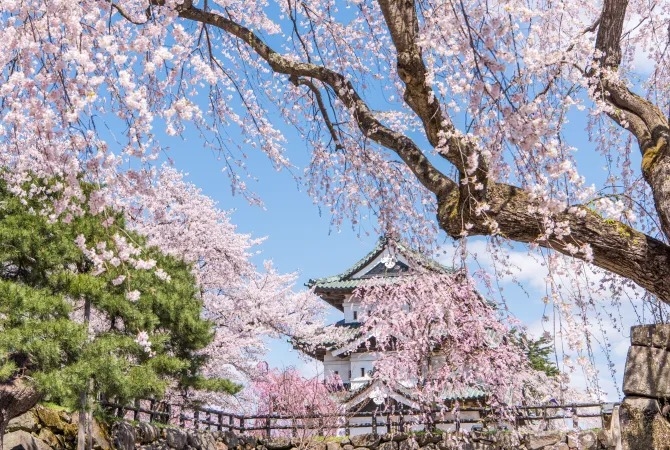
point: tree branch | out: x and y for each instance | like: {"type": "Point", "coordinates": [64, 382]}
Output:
{"type": "Point", "coordinates": [403, 25]}
{"type": "Point", "coordinates": [633, 112]}
{"type": "Point", "coordinates": [510, 211]}
{"type": "Point", "coordinates": [409, 152]}
{"type": "Point", "coordinates": [322, 108]}
{"type": "Point", "coordinates": [616, 247]}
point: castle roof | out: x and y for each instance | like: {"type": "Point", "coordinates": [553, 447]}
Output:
{"type": "Point", "coordinates": [389, 258]}
{"type": "Point", "coordinates": [359, 397]}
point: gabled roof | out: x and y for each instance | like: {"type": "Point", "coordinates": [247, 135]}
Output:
{"type": "Point", "coordinates": [405, 396]}
{"type": "Point", "coordinates": [335, 288]}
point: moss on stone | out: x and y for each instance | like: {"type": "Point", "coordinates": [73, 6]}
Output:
{"type": "Point", "coordinates": [50, 418]}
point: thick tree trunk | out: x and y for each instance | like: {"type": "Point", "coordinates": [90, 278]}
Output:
{"type": "Point", "coordinates": [81, 430]}
{"type": "Point", "coordinates": [84, 407]}
{"type": "Point", "coordinates": [16, 397]}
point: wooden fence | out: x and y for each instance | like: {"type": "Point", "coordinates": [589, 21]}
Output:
{"type": "Point", "coordinates": [571, 415]}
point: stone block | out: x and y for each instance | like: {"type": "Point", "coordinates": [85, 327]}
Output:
{"type": "Point", "coordinates": [541, 440]}
{"type": "Point", "coordinates": [647, 372]}
{"type": "Point", "coordinates": [280, 443]}
{"type": "Point", "coordinates": [397, 436]}
{"type": "Point", "coordinates": [390, 445]}
{"type": "Point", "coordinates": [194, 440]}
{"type": "Point", "coordinates": [573, 440]}
{"type": "Point", "coordinates": [605, 438]}
{"type": "Point", "coordinates": [230, 439]}
{"type": "Point", "coordinates": [332, 446]}
{"type": "Point", "coordinates": [428, 438]}
{"type": "Point", "coordinates": [642, 425]}
{"type": "Point", "coordinates": [365, 440]}
{"type": "Point", "coordinates": [123, 436]}
{"type": "Point", "coordinates": [587, 440]}
{"type": "Point", "coordinates": [47, 436]}
{"type": "Point", "coordinates": [651, 335]}
{"type": "Point", "coordinates": [409, 444]}
{"type": "Point", "coordinates": [22, 440]}
{"type": "Point", "coordinates": [507, 440]}
{"type": "Point", "coordinates": [50, 418]}
{"type": "Point", "coordinates": [208, 441]}
{"type": "Point", "coordinates": [147, 432]}
{"type": "Point", "coordinates": [25, 422]}
{"type": "Point", "coordinates": [176, 438]}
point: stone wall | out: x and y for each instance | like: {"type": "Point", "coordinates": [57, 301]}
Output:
{"type": "Point", "coordinates": [645, 409]}
{"type": "Point", "coordinates": [44, 428]}
{"type": "Point", "coordinates": [127, 437]}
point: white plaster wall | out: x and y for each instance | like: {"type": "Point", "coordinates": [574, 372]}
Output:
{"type": "Point", "coordinates": [342, 367]}
{"type": "Point", "coordinates": [364, 361]}
{"type": "Point", "coordinates": [349, 308]}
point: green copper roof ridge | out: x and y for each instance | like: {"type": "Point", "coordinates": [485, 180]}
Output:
{"type": "Point", "coordinates": [379, 246]}
{"type": "Point", "coordinates": [417, 257]}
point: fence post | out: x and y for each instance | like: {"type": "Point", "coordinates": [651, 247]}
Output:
{"type": "Point", "coordinates": [347, 429]}
{"type": "Point", "coordinates": [401, 422]}
{"type": "Point", "coordinates": [182, 419]}
{"type": "Point", "coordinates": [152, 407]}
{"type": "Point", "coordinates": [136, 415]}
{"type": "Point", "coordinates": [231, 422]}
{"type": "Point", "coordinates": [219, 427]}
{"type": "Point", "coordinates": [294, 428]}
{"type": "Point", "coordinates": [120, 409]}
{"type": "Point", "coordinates": [242, 425]}
{"type": "Point", "coordinates": [374, 424]}
{"type": "Point", "coordinates": [268, 427]}
{"type": "Point", "coordinates": [168, 414]}
{"type": "Point", "coordinates": [196, 418]}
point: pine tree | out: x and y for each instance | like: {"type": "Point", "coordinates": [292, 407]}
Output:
{"type": "Point", "coordinates": [78, 320]}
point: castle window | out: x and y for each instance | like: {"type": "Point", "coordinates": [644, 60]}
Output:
{"type": "Point", "coordinates": [362, 371]}
{"type": "Point", "coordinates": [355, 315]}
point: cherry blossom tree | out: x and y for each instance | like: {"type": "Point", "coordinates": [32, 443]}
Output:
{"type": "Point", "coordinates": [246, 305]}
{"type": "Point", "coordinates": [297, 400]}
{"type": "Point", "coordinates": [414, 110]}
{"type": "Point", "coordinates": [439, 339]}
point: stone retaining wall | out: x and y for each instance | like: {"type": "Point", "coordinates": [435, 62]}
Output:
{"type": "Point", "coordinates": [646, 383]}
{"type": "Point", "coordinates": [44, 428]}
{"type": "Point", "coordinates": [127, 437]}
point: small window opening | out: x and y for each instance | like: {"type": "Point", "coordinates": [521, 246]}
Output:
{"type": "Point", "coordinates": [355, 315]}
{"type": "Point", "coordinates": [362, 371]}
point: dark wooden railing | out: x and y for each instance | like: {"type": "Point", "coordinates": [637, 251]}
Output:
{"type": "Point", "coordinates": [375, 422]}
